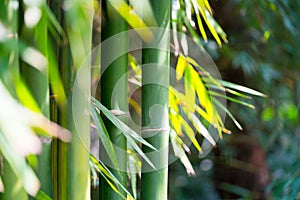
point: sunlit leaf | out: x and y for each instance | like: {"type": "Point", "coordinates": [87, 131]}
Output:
{"type": "Point", "coordinates": [199, 21]}
{"type": "Point", "coordinates": [25, 96]}
{"type": "Point", "coordinates": [132, 19]}
{"type": "Point", "coordinates": [201, 129]}
{"type": "Point", "coordinates": [180, 67]}
{"type": "Point", "coordinates": [18, 164]}
{"type": "Point", "coordinates": [229, 91]}
{"type": "Point", "coordinates": [241, 88]}
{"type": "Point", "coordinates": [189, 88]}
{"type": "Point", "coordinates": [190, 133]}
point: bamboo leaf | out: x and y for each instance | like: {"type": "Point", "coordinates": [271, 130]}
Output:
{"type": "Point", "coordinates": [104, 136]}
{"type": "Point", "coordinates": [128, 133]}
{"type": "Point", "coordinates": [132, 19]}
{"type": "Point", "coordinates": [229, 91]}
{"type": "Point", "coordinates": [232, 99]}
{"type": "Point", "coordinates": [120, 125]}
{"type": "Point", "coordinates": [204, 10]}
{"type": "Point", "coordinates": [180, 67]}
{"type": "Point", "coordinates": [201, 129]}
{"type": "Point", "coordinates": [228, 113]}
{"type": "Point", "coordinates": [189, 90]}
{"type": "Point", "coordinates": [25, 96]}
{"type": "Point", "coordinates": [199, 21]}
{"type": "Point", "coordinates": [42, 196]}
{"type": "Point", "coordinates": [19, 166]}
{"type": "Point", "coordinates": [179, 152]}
{"type": "Point", "coordinates": [133, 174]}
{"type": "Point", "coordinates": [105, 172]}
{"type": "Point", "coordinates": [241, 88]}
{"type": "Point", "coordinates": [190, 133]}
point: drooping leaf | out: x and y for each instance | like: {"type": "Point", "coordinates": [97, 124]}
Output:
{"type": "Point", "coordinates": [104, 137]}
{"type": "Point", "coordinates": [201, 129]}
{"type": "Point", "coordinates": [228, 113]}
{"type": "Point", "coordinates": [109, 177]}
{"type": "Point", "coordinates": [179, 152]}
{"type": "Point", "coordinates": [128, 133]}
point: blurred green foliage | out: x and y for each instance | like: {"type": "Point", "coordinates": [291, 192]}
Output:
{"type": "Point", "coordinates": [263, 52]}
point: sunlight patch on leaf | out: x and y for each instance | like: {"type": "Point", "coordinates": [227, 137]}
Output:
{"type": "Point", "coordinates": [132, 19]}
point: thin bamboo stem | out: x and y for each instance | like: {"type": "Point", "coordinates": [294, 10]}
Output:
{"type": "Point", "coordinates": [114, 24]}
{"type": "Point", "coordinates": [155, 81]}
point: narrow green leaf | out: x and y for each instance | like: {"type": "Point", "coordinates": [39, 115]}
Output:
{"type": "Point", "coordinates": [42, 196]}
{"type": "Point", "coordinates": [128, 133]}
{"type": "Point", "coordinates": [241, 88]}
{"type": "Point", "coordinates": [228, 113]}
{"type": "Point", "coordinates": [104, 137]}
{"type": "Point", "coordinates": [229, 91]}
{"type": "Point", "coordinates": [232, 99]}
{"type": "Point", "coordinates": [109, 176]}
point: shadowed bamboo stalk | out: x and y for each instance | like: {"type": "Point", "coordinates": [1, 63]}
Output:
{"type": "Point", "coordinates": [155, 81]}
{"type": "Point", "coordinates": [71, 161]}
{"type": "Point", "coordinates": [113, 24]}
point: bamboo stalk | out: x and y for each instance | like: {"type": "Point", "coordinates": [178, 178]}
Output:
{"type": "Point", "coordinates": [114, 24]}
{"type": "Point", "coordinates": [71, 161]}
{"type": "Point", "coordinates": [155, 81]}
{"type": "Point", "coordinates": [79, 16]}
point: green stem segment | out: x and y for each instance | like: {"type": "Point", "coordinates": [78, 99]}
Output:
{"type": "Point", "coordinates": [71, 162]}
{"type": "Point", "coordinates": [155, 82]}
{"type": "Point", "coordinates": [114, 79]}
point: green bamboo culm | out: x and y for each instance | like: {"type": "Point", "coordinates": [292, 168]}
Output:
{"type": "Point", "coordinates": [155, 81]}
{"type": "Point", "coordinates": [58, 115]}
{"type": "Point", "coordinates": [71, 173]}
{"type": "Point", "coordinates": [79, 17]}
{"type": "Point", "coordinates": [115, 73]}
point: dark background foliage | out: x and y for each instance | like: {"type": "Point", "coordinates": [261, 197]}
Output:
{"type": "Point", "coordinates": [262, 53]}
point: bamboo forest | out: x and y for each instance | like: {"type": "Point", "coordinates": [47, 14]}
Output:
{"type": "Point", "coordinates": [149, 99]}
